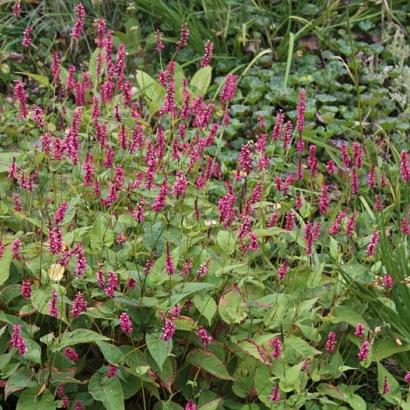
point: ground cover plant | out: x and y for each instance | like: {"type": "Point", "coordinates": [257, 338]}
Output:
{"type": "Point", "coordinates": [146, 264]}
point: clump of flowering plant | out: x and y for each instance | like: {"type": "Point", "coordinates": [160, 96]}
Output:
{"type": "Point", "coordinates": [144, 267]}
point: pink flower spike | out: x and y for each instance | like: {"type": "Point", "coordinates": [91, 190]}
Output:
{"type": "Point", "coordinates": [331, 342]}
{"type": "Point", "coordinates": [125, 323]}
{"type": "Point", "coordinates": [208, 52]}
{"type": "Point", "coordinates": [17, 340]}
{"type": "Point", "coordinates": [27, 37]}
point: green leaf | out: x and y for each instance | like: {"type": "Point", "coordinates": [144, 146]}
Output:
{"type": "Point", "coordinates": [37, 77]}
{"type": "Point", "coordinates": [158, 349]}
{"type": "Point", "coordinates": [92, 65]}
{"type": "Point", "coordinates": [226, 241]}
{"type": "Point", "coordinates": [200, 81]}
{"type": "Point", "coordinates": [263, 385]}
{"type": "Point", "coordinates": [5, 263]}
{"type": "Point", "coordinates": [107, 390]}
{"type": "Point", "coordinates": [112, 354]}
{"type": "Point", "coordinates": [33, 351]}
{"type": "Point", "coordinates": [232, 306]}
{"type": "Point", "coordinates": [76, 337]}
{"type": "Point", "coordinates": [100, 235]}
{"type": "Point", "coordinates": [211, 405]}
{"type": "Point", "coordinates": [383, 348]}
{"type": "Point", "coordinates": [19, 380]}
{"type": "Point", "coordinates": [185, 289]}
{"type": "Point", "coordinates": [394, 393]}
{"type": "Point", "coordinates": [206, 306]}
{"type": "Point", "coordinates": [151, 89]}
{"type": "Point", "coordinates": [345, 314]}
{"type": "Point", "coordinates": [209, 362]}
{"type": "Point", "coordinates": [30, 398]}
{"type": "Point", "coordinates": [297, 345]}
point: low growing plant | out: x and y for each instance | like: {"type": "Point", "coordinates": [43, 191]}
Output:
{"type": "Point", "coordinates": [139, 269]}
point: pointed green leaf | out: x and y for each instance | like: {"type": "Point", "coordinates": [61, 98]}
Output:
{"type": "Point", "coordinates": [158, 349]}
{"type": "Point", "coordinates": [209, 362]}
{"type": "Point", "coordinates": [107, 390]}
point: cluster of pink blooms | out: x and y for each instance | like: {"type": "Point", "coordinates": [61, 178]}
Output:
{"type": "Point", "coordinates": [331, 342]}
{"type": "Point", "coordinates": [125, 323]}
{"type": "Point", "coordinates": [78, 27]}
{"type": "Point", "coordinates": [71, 354]}
{"type": "Point", "coordinates": [364, 351]}
{"type": "Point", "coordinates": [99, 160]}
{"type": "Point", "coordinates": [190, 405]}
{"type": "Point", "coordinates": [205, 337]}
{"type": "Point", "coordinates": [17, 340]}
{"type": "Point", "coordinates": [276, 345]}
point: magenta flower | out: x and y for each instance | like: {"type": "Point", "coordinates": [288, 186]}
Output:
{"type": "Point", "coordinates": [52, 304]}
{"type": "Point", "coordinates": [79, 305]}
{"type": "Point", "coordinates": [312, 162]}
{"type": "Point", "coordinates": [138, 212]}
{"type": "Point", "coordinates": [168, 329]}
{"type": "Point", "coordinates": [2, 248]}
{"type": "Point", "coordinates": [111, 371]}
{"type": "Point", "coordinates": [81, 261]}
{"type": "Point", "coordinates": [160, 200]}
{"type": "Point", "coordinates": [180, 184]}
{"type": "Point", "coordinates": [208, 52]}
{"type": "Point", "coordinates": [202, 270]}
{"type": "Point", "coordinates": [27, 37]}
{"type": "Point", "coordinates": [159, 43]}
{"type": "Point", "coordinates": [335, 227]}
{"type": "Point", "coordinates": [205, 337]}
{"type": "Point", "coordinates": [331, 167]}
{"type": "Point", "coordinates": [169, 263]}
{"type": "Point", "coordinates": [404, 226]}
{"type": "Point", "coordinates": [300, 111]}
{"type": "Point", "coordinates": [125, 323]}
{"type": "Point", "coordinates": [312, 233]}
{"type": "Point", "coordinates": [113, 284]}
{"type": "Point", "coordinates": [78, 27]}
{"type": "Point", "coordinates": [16, 249]}
{"type": "Point", "coordinates": [359, 330]}
{"type": "Point", "coordinates": [351, 225]}
{"type": "Point", "coordinates": [324, 199]}
{"type": "Point", "coordinates": [276, 344]}
{"type": "Point", "coordinates": [354, 182]}
{"type": "Point", "coordinates": [371, 178]}
{"type": "Point", "coordinates": [19, 95]}
{"type": "Point", "coordinates": [184, 36]}
{"type": "Point", "coordinates": [405, 166]}
{"type": "Point", "coordinates": [26, 289]}
{"type": "Point", "coordinates": [386, 386]}
{"type": "Point", "coordinates": [55, 239]}
{"type": "Point", "coordinates": [372, 246]}
{"type": "Point", "coordinates": [79, 405]}
{"type": "Point", "coordinates": [228, 89]}
{"type": "Point", "coordinates": [357, 155]}
{"type": "Point", "coordinates": [388, 282]}
{"type": "Point", "coordinates": [17, 340]}
{"type": "Point", "coordinates": [16, 8]}
{"type": "Point", "coordinates": [275, 395]}
{"type": "Point", "coordinates": [283, 270]}
{"type": "Point", "coordinates": [331, 342]}
{"type": "Point", "coordinates": [407, 377]}
{"type": "Point", "coordinates": [186, 268]}
{"type": "Point", "coordinates": [364, 351]}
{"type": "Point", "coordinates": [190, 405]}
{"type": "Point", "coordinates": [245, 159]}
{"type": "Point", "coordinates": [226, 209]}
{"type": "Point", "coordinates": [71, 354]}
